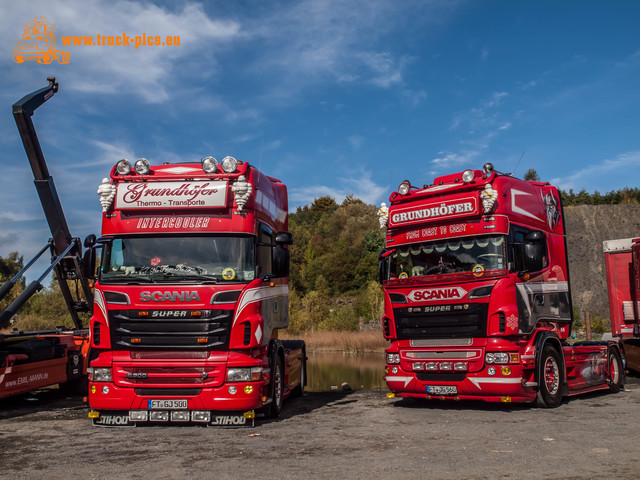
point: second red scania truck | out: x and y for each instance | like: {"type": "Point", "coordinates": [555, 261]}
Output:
{"type": "Point", "coordinates": [190, 294]}
{"type": "Point", "coordinates": [477, 300]}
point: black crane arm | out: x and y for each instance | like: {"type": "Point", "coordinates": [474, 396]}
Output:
{"type": "Point", "coordinates": [66, 251]}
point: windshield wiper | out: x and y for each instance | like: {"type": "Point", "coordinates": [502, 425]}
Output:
{"type": "Point", "coordinates": [133, 279]}
{"type": "Point", "coordinates": [190, 276]}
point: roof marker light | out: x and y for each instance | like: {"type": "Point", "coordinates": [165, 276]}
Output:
{"type": "Point", "coordinates": [467, 176]}
{"type": "Point", "coordinates": [229, 164]}
{"type": "Point", "coordinates": [123, 167]}
{"type": "Point", "coordinates": [209, 165]}
{"type": "Point", "coordinates": [404, 187]}
{"type": "Point", "coordinates": [142, 166]}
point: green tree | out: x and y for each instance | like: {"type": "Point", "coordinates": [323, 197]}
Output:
{"type": "Point", "coordinates": [531, 175]}
{"type": "Point", "coordinates": [9, 267]}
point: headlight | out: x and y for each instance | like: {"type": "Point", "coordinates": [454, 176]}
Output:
{"type": "Point", "coordinates": [229, 164]}
{"type": "Point", "coordinates": [496, 357]}
{"type": "Point", "coordinates": [209, 165]}
{"type": "Point", "coordinates": [393, 358]}
{"type": "Point", "coordinates": [244, 374]}
{"type": "Point", "coordinates": [404, 187]}
{"type": "Point", "coordinates": [123, 167]}
{"type": "Point", "coordinates": [99, 374]}
{"type": "Point", "coordinates": [467, 176]}
{"type": "Point", "coordinates": [142, 166]}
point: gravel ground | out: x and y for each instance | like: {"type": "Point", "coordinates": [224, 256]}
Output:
{"type": "Point", "coordinates": [333, 435]}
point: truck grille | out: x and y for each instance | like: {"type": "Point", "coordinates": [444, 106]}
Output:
{"type": "Point", "coordinates": [413, 322]}
{"type": "Point", "coordinates": [158, 329]}
{"type": "Point", "coordinates": [180, 376]}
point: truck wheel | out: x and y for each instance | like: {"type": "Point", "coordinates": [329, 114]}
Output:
{"type": "Point", "coordinates": [278, 386]}
{"type": "Point", "coordinates": [551, 378]}
{"type": "Point", "coordinates": [615, 371]}
{"type": "Point", "coordinates": [46, 58]}
{"type": "Point", "coordinates": [299, 390]}
{"type": "Point", "coordinates": [63, 57]}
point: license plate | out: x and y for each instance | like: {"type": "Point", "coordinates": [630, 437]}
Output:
{"type": "Point", "coordinates": [168, 404]}
{"type": "Point", "coordinates": [442, 389]}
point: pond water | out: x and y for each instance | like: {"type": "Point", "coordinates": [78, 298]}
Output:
{"type": "Point", "coordinates": [328, 371]}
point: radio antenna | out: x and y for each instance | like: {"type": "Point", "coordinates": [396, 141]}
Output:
{"type": "Point", "coordinates": [516, 167]}
{"type": "Point", "coordinates": [260, 158]}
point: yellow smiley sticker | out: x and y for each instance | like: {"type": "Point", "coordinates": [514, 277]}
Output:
{"type": "Point", "coordinates": [478, 270]}
{"type": "Point", "coordinates": [228, 274]}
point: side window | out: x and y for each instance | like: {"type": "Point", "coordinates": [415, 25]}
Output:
{"type": "Point", "coordinates": [263, 250]}
{"type": "Point", "coordinates": [518, 238]}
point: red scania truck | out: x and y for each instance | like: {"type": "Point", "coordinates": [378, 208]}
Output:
{"type": "Point", "coordinates": [477, 300]}
{"type": "Point", "coordinates": [622, 263]}
{"type": "Point", "coordinates": [191, 291]}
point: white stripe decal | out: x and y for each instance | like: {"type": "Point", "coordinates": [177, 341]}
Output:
{"type": "Point", "coordinates": [517, 209]}
{"type": "Point", "coordinates": [259, 294]}
{"type": "Point", "coordinates": [98, 298]}
{"type": "Point", "coordinates": [543, 287]}
{"type": "Point", "coordinates": [478, 380]}
{"type": "Point", "coordinates": [406, 380]}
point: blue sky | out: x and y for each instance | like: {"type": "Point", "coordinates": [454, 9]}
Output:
{"type": "Point", "coordinates": [332, 97]}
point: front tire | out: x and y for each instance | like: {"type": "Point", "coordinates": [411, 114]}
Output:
{"type": "Point", "coordinates": [551, 378]}
{"type": "Point", "coordinates": [278, 386]}
{"type": "Point", "coordinates": [615, 371]}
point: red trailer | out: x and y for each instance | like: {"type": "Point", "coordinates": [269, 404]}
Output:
{"type": "Point", "coordinates": [191, 292]}
{"type": "Point", "coordinates": [622, 263]}
{"type": "Point", "coordinates": [477, 300]}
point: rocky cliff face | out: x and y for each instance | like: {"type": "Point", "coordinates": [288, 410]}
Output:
{"type": "Point", "coordinates": [587, 227]}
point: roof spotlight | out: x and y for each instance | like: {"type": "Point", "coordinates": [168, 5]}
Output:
{"type": "Point", "coordinates": [123, 167]}
{"type": "Point", "coordinates": [229, 164]}
{"type": "Point", "coordinates": [404, 187]}
{"type": "Point", "coordinates": [467, 176]}
{"type": "Point", "coordinates": [142, 166]}
{"type": "Point", "coordinates": [209, 165]}
{"type": "Point", "coordinates": [488, 168]}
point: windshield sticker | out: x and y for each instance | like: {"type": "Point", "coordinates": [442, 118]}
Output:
{"type": "Point", "coordinates": [403, 275]}
{"type": "Point", "coordinates": [478, 270]}
{"type": "Point", "coordinates": [249, 275]}
{"type": "Point", "coordinates": [228, 274]}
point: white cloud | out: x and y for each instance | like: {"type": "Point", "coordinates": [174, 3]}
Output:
{"type": "Point", "coordinates": [449, 159]}
{"type": "Point", "coordinates": [602, 176]}
{"type": "Point", "coordinates": [150, 72]}
{"type": "Point", "coordinates": [355, 141]}
{"type": "Point", "coordinates": [333, 41]}
{"type": "Point", "coordinates": [359, 184]}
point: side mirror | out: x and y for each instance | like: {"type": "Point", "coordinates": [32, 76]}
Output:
{"type": "Point", "coordinates": [284, 238]}
{"type": "Point", "coordinates": [534, 236]}
{"type": "Point", "coordinates": [89, 262]}
{"type": "Point", "coordinates": [383, 261]}
{"type": "Point", "coordinates": [533, 257]}
{"type": "Point", "coordinates": [90, 241]}
{"type": "Point", "coordinates": [280, 261]}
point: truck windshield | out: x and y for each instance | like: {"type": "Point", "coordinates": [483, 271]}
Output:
{"type": "Point", "coordinates": [176, 259]}
{"type": "Point", "coordinates": [449, 256]}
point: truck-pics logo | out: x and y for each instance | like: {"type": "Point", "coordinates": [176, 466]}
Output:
{"type": "Point", "coordinates": [434, 294]}
{"type": "Point", "coordinates": [38, 43]}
